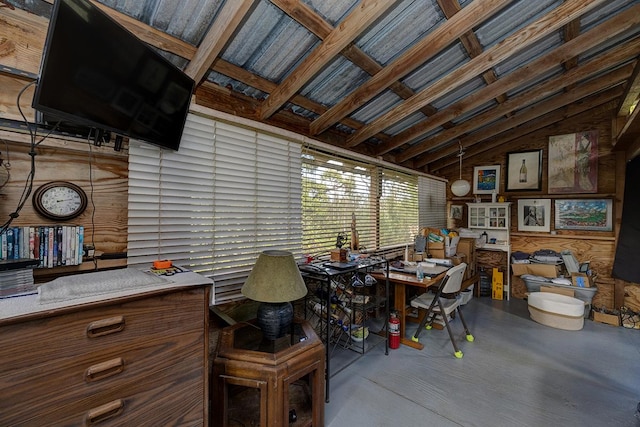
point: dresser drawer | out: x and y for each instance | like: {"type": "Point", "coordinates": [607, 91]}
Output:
{"type": "Point", "coordinates": [171, 397]}
{"type": "Point", "coordinates": [44, 390]}
{"type": "Point", "coordinates": [109, 362]}
{"type": "Point", "coordinates": [99, 330]}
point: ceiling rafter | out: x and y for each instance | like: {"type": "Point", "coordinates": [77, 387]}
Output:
{"type": "Point", "coordinates": [604, 100]}
{"type": "Point", "coordinates": [340, 37]}
{"type": "Point", "coordinates": [569, 10]}
{"type": "Point", "coordinates": [306, 17]}
{"type": "Point", "coordinates": [471, 44]}
{"type": "Point", "coordinates": [226, 23]}
{"type": "Point", "coordinates": [527, 114]}
{"type": "Point", "coordinates": [415, 56]}
{"type": "Point", "coordinates": [407, 128]}
{"type": "Point", "coordinates": [536, 68]}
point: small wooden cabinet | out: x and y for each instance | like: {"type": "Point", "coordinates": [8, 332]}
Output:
{"type": "Point", "coordinates": [261, 382]}
{"type": "Point", "coordinates": [135, 360]}
{"type": "Point", "coordinates": [494, 219]}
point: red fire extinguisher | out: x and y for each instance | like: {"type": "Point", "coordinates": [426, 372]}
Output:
{"type": "Point", "coordinates": [394, 331]}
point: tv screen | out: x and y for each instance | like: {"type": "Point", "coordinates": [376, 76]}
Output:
{"type": "Point", "coordinates": [96, 73]}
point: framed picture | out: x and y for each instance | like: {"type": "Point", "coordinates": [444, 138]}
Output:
{"type": "Point", "coordinates": [584, 214]}
{"type": "Point", "coordinates": [486, 179]}
{"type": "Point", "coordinates": [534, 215]}
{"type": "Point", "coordinates": [455, 211]}
{"type": "Point", "coordinates": [524, 171]}
{"type": "Point", "coordinates": [573, 163]}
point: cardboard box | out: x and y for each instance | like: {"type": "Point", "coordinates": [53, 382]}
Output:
{"type": "Point", "coordinates": [610, 319]}
{"type": "Point", "coordinates": [448, 247]}
{"type": "Point", "coordinates": [339, 255]}
{"type": "Point", "coordinates": [544, 270]}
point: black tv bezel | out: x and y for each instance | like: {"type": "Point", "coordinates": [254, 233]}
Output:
{"type": "Point", "coordinates": [82, 121]}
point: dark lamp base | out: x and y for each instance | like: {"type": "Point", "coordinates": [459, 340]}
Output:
{"type": "Point", "coordinates": [274, 319]}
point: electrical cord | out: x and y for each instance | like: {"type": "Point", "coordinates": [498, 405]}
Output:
{"type": "Point", "coordinates": [28, 187]}
{"type": "Point", "coordinates": [93, 205]}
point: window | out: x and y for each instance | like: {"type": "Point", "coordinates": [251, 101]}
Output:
{"type": "Point", "coordinates": [337, 191]}
{"type": "Point", "coordinates": [227, 195]}
{"type": "Point", "coordinates": [232, 192]}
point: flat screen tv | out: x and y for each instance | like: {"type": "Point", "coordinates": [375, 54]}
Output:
{"type": "Point", "coordinates": [96, 73]}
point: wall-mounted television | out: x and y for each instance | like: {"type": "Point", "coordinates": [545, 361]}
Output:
{"type": "Point", "coordinates": [95, 73]}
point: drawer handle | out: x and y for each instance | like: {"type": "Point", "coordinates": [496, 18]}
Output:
{"type": "Point", "coordinates": [104, 370]}
{"type": "Point", "coordinates": [105, 326]}
{"type": "Point", "coordinates": [104, 412]}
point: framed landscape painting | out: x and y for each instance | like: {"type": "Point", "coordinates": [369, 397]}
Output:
{"type": "Point", "coordinates": [524, 171]}
{"type": "Point", "coordinates": [584, 214]}
{"type": "Point", "coordinates": [486, 179]}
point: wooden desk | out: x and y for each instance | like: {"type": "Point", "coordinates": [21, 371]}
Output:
{"type": "Point", "coordinates": [400, 281]}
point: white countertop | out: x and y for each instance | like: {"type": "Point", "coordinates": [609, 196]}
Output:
{"type": "Point", "coordinates": [30, 304]}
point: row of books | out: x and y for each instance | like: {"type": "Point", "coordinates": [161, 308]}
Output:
{"type": "Point", "coordinates": [54, 245]}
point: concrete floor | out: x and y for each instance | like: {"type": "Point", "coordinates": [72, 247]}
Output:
{"type": "Point", "coordinates": [516, 373]}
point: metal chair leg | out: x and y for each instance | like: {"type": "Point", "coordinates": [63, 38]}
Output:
{"type": "Point", "coordinates": [424, 321]}
{"type": "Point", "coordinates": [466, 328]}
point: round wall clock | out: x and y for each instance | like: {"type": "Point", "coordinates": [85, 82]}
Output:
{"type": "Point", "coordinates": [59, 200]}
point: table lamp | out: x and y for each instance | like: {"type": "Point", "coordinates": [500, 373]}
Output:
{"type": "Point", "coordinates": [274, 281]}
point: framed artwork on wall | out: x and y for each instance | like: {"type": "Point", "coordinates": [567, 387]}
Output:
{"type": "Point", "coordinates": [534, 215]}
{"type": "Point", "coordinates": [584, 214]}
{"type": "Point", "coordinates": [486, 179]}
{"type": "Point", "coordinates": [573, 163]}
{"type": "Point", "coordinates": [455, 211]}
{"type": "Point", "coordinates": [524, 171]}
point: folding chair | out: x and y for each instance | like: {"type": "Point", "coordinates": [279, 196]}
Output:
{"type": "Point", "coordinates": [441, 306]}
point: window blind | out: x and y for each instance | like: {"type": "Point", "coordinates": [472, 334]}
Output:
{"type": "Point", "coordinates": [398, 208]}
{"type": "Point", "coordinates": [432, 199]}
{"type": "Point", "coordinates": [336, 189]}
{"type": "Point", "coordinates": [226, 195]}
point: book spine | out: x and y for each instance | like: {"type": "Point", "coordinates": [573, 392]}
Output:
{"type": "Point", "coordinates": [32, 242]}
{"type": "Point", "coordinates": [80, 244]}
{"type": "Point", "coordinates": [16, 242]}
{"type": "Point", "coordinates": [9, 243]}
{"type": "Point", "coordinates": [50, 243]}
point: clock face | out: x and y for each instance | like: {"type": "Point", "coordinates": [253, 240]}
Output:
{"type": "Point", "coordinates": [59, 200]}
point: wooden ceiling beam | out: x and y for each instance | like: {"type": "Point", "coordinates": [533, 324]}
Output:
{"type": "Point", "coordinates": [240, 74]}
{"type": "Point", "coordinates": [564, 13]}
{"type": "Point", "coordinates": [599, 64]}
{"type": "Point", "coordinates": [604, 100]}
{"type": "Point", "coordinates": [518, 103]}
{"type": "Point", "coordinates": [357, 21]}
{"type": "Point", "coordinates": [187, 51]}
{"type": "Point", "coordinates": [418, 54]}
{"type": "Point", "coordinates": [471, 43]}
{"type": "Point", "coordinates": [313, 22]}
{"type": "Point", "coordinates": [220, 32]}
{"type": "Point", "coordinates": [631, 95]}
{"type": "Point", "coordinates": [605, 31]}
{"type": "Point", "coordinates": [531, 113]}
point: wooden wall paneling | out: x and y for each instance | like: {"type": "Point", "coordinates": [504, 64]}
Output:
{"type": "Point", "coordinates": [102, 173]}
{"type": "Point", "coordinates": [22, 37]}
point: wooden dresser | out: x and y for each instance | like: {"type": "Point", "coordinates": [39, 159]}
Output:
{"type": "Point", "coordinates": [131, 360]}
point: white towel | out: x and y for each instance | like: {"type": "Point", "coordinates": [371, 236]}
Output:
{"type": "Point", "coordinates": [96, 283]}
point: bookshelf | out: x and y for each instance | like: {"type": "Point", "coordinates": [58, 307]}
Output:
{"type": "Point", "coordinates": [53, 245]}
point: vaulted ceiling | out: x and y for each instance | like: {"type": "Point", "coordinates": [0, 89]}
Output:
{"type": "Point", "coordinates": [409, 81]}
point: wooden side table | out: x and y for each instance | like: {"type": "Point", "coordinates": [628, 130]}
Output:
{"type": "Point", "coordinates": [261, 382]}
